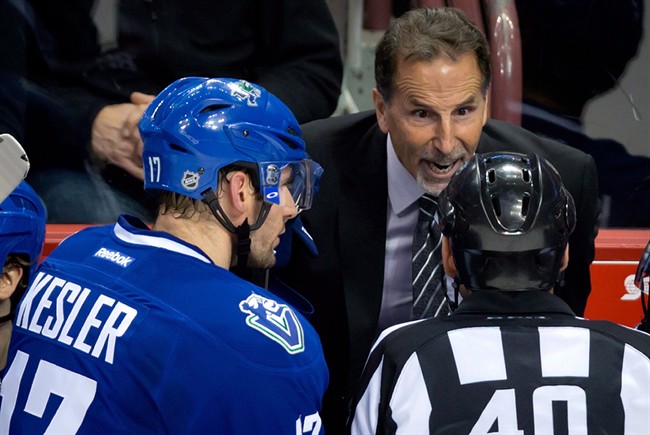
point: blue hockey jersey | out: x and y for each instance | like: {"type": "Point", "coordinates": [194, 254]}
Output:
{"type": "Point", "coordinates": [125, 330]}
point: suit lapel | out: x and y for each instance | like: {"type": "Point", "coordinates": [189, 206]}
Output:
{"type": "Point", "coordinates": [362, 231]}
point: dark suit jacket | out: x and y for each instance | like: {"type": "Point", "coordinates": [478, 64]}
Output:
{"type": "Point", "coordinates": [348, 223]}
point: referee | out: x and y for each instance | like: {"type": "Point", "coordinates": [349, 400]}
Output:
{"type": "Point", "coordinates": [513, 358]}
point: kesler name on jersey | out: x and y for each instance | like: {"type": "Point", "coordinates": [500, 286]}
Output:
{"type": "Point", "coordinates": [85, 319]}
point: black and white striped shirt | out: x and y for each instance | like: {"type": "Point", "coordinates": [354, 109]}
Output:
{"type": "Point", "coordinates": [536, 370]}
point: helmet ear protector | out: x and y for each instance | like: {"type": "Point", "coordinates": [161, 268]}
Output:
{"type": "Point", "coordinates": [22, 232]}
{"type": "Point", "coordinates": [508, 218]}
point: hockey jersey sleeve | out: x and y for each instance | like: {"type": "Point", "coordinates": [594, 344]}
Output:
{"type": "Point", "coordinates": [364, 412]}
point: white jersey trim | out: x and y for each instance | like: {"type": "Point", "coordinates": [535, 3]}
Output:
{"type": "Point", "coordinates": [366, 415]}
{"type": "Point", "coordinates": [635, 391]}
{"type": "Point", "coordinates": [390, 329]}
{"type": "Point", "coordinates": [410, 404]}
{"type": "Point", "coordinates": [158, 242]}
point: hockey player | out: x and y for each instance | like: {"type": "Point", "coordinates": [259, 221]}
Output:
{"type": "Point", "coordinates": [22, 232]}
{"type": "Point", "coordinates": [133, 330]}
{"type": "Point", "coordinates": [513, 358]}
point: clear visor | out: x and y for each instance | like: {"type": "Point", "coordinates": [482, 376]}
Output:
{"type": "Point", "coordinates": [301, 178]}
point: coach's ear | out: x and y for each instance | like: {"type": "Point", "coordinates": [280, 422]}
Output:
{"type": "Point", "coordinates": [380, 110]}
{"type": "Point", "coordinates": [11, 275]}
{"type": "Point", "coordinates": [447, 259]}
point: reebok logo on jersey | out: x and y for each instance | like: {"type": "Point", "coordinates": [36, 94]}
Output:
{"type": "Point", "coordinates": [277, 321]}
{"type": "Point", "coordinates": [114, 256]}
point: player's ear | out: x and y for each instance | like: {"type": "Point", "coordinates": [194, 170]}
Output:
{"type": "Point", "coordinates": [11, 276]}
{"type": "Point", "coordinates": [236, 190]}
{"type": "Point", "coordinates": [447, 258]}
{"type": "Point", "coordinates": [243, 200]}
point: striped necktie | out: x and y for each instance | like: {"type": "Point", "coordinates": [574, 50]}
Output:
{"type": "Point", "coordinates": [428, 292]}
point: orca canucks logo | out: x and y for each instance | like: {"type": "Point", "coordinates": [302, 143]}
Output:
{"type": "Point", "coordinates": [244, 91]}
{"type": "Point", "coordinates": [277, 321]}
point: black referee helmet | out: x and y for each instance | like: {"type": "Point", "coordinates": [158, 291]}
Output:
{"type": "Point", "coordinates": [508, 218]}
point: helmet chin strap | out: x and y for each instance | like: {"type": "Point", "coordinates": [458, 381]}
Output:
{"type": "Point", "coordinates": [241, 232]}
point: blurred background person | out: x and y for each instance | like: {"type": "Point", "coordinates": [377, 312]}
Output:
{"type": "Point", "coordinates": [77, 95]}
{"type": "Point", "coordinates": [572, 52]}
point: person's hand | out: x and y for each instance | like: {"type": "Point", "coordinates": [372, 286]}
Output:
{"type": "Point", "coordinates": [108, 142]}
{"type": "Point", "coordinates": [115, 136]}
{"type": "Point", "coordinates": [130, 131]}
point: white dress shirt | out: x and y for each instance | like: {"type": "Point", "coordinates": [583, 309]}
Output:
{"type": "Point", "coordinates": [402, 216]}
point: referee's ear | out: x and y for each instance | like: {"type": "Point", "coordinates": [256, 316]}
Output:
{"type": "Point", "coordinates": [565, 258]}
{"type": "Point", "coordinates": [447, 259]}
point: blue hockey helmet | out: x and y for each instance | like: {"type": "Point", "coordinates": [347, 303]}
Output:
{"type": "Point", "coordinates": [197, 126]}
{"type": "Point", "coordinates": [22, 229]}
{"type": "Point", "coordinates": [508, 218]}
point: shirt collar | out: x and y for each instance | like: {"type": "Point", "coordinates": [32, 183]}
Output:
{"type": "Point", "coordinates": [496, 303]}
{"type": "Point", "coordinates": [403, 189]}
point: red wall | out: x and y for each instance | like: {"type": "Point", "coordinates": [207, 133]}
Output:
{"type": "Point", "coordinates": [613, 294]}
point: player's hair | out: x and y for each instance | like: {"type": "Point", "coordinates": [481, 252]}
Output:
{"type": "Point", "coordinates": [181, 206]}
{"type": "Point", "coordinates": [184, 207]}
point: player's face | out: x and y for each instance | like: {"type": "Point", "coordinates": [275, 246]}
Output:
{"type": "Point", "coordinates": [435, 117]}
{"type": "Point", "coordinates": [267, 237]}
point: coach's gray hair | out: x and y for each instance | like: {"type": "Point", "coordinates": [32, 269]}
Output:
{"type": "Point", "coordinates": [424, 35]}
